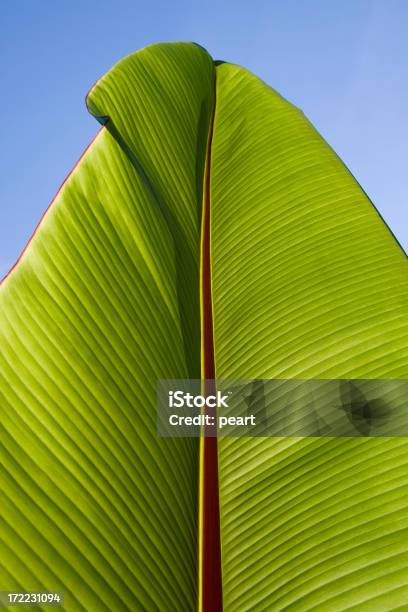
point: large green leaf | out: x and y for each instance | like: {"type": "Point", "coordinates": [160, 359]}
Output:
{"type": "Point", "coordinates": [104, 302]}
{"type": "Point", "coordinates": [307, 282]}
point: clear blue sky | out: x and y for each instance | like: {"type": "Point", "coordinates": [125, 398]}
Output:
{"type": "Point", "coordinates": [344, 62]}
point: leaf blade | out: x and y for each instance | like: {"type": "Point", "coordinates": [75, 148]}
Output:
{"type": "Point", "coordinates": [307, 283]}
{"type": "Point", "coordinates": [92, 318]}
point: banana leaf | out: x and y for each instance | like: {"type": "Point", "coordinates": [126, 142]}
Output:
{"type": "Point", "coordinates": [207, 222]}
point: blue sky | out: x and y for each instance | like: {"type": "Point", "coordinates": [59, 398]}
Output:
{"type": "Point", "coordinates": [343, 62]}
